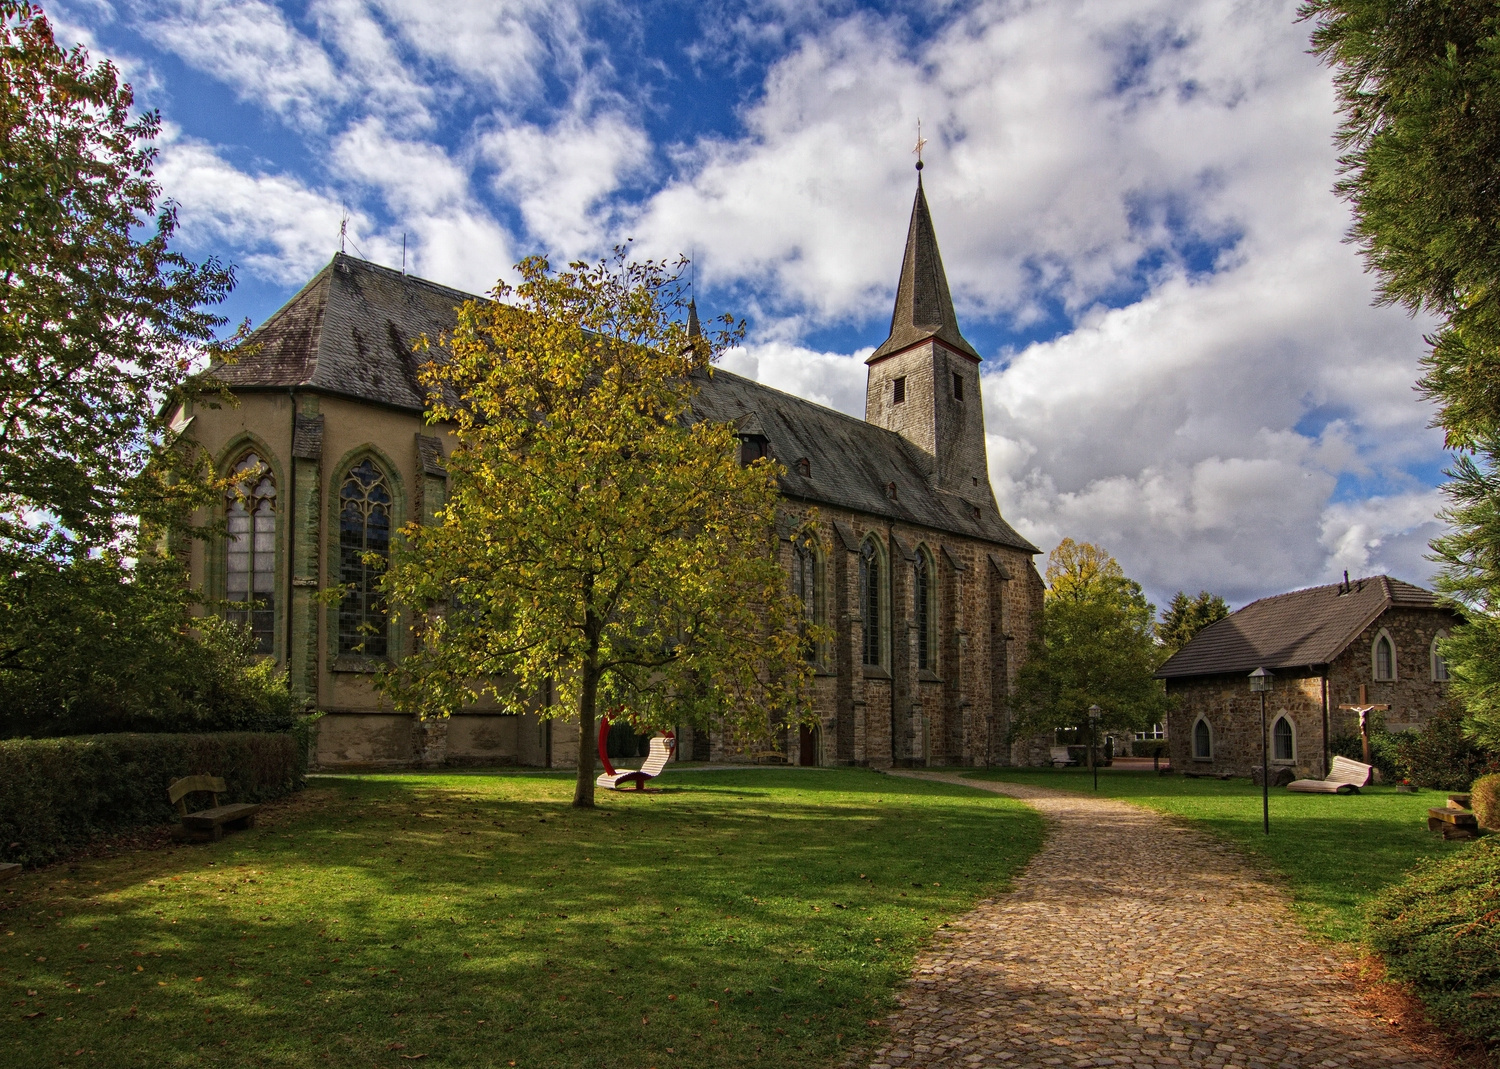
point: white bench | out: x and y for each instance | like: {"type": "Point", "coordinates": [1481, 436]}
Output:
{"type": "Point", "coordinates": [656, 760]}
{"type": "Point", "coordinates": [1061, 757]}
{"type": "Point", "coordinates": [1345, 777]}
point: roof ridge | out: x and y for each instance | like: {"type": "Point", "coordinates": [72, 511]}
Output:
{"type": "Point", "coordinates": [803, 400]}
{"type": "Point", "coordinates": [403, 276]}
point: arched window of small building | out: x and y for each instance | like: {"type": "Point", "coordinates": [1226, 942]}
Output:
{"type": "Point", "coordinates": [807, 584]}
{"type": "Point", "coordinates": [250, 559]}
{"type": "Point", "coordinates": [364, 531]}
{"type": "Point", "coordinates": [1203, 741]}
{"type": "Point", "coordinates": [1439, 662]}
{"type": "Point", "coordinates": [1283, 740]}
{"type": "Point", "coordinates": [924, 590]}
{"type": "Point", "coordinates": [1383, 657]}
{"type": "Point", "coordinates": [872, 607]}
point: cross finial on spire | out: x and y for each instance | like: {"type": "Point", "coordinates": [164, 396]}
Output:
{"type": "Point", "coordinates": [921, 143]}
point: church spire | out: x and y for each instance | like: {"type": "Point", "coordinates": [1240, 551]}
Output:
{"type": "Point", "coordinates": [924, 305]}
{"type": "Point", "coordinates": [695, 330]}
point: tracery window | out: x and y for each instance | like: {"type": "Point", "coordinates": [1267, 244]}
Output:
{"type": "Point", "coordinates": [925, 591]}
{"type": "Point", "coordinates": [1283, 742]}
{"type": "Point", "coordinates": [364, 529]}
{"type": "Point", "coordinates": [250, 565]}
{"type": "Point", "coordinates": [871, 600]}
{"type": "Point", "coordinates": [1385, 658]}
{"type": "Point", "coordinates": [806, 586]}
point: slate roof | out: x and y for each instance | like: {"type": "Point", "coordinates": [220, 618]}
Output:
{"type": "Point", "coordinates": [851, 464]}
{"type": "Point", "coordinates": [924, 305]}
{"type": "Point", "coordinates": [350, 332]}
{"type": "Point", "coordinates": [1296, 630]}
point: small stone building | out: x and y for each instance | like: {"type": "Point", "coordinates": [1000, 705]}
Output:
{"type": "Point", "coordinates": [889, 531]}
{"type": "Point", "coordinates": [1322, 645]}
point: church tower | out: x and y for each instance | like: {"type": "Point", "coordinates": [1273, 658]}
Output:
{"type": "Point", "coordinates": [924, 379]}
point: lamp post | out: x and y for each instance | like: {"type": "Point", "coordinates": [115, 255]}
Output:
{"type": "Point", "coordinates": [1260, 683]}
{"type": "Point", "coordinates": [1094, 714]}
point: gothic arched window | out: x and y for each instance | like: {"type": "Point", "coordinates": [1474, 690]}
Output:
{"type": "Point", "coordinates": [1203, 741]}
{"type": "Point", "coordinates": [250, 560]}
{"type": "Point", "coordinates": [1283, 742]}
{"type": "Point", "coordinates": [807, 584]}
{"type": "Point", "coordinates": [1384, 657]}
{"type": "Point", "coordinates": [871, 601]}
{"type": "Point", "coordinates": [924, 590]}
{"type": "Point", "coordinates": [364, 530]}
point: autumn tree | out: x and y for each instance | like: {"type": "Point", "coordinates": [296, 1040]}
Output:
{"type": "Point", "coordinates": [1419, 88]}
{"type": "Point", "coordinates": [100, 318]}
{"type": "Point", "coordinates": [595, 538]}
{"type": "Point", "coordinates": [1186, 616]}
{"type": "Point", "coordinates": [1096, 647]}
{"type": "Point", "coordinates": [101, 325]}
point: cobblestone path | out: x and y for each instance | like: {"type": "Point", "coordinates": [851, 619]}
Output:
{"type": "Point", "coordinates": [1132, 941]}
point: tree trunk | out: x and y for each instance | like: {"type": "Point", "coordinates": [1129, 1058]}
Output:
{"type": "Point", "coordinates": [588, 700]}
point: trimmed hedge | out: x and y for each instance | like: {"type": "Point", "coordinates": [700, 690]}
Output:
{"type": "Point", "coordinates": [58, 794]}
{"type": "Point", "coordinates": [1436, 931]}
{"type": "Point", "coordinates": [1484, 799]}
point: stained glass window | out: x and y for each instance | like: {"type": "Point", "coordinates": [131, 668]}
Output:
{"type": "Point", "coordinates": [871, 604]}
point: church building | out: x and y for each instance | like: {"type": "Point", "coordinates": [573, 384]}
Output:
{"type": "Point", "coordinates": [889, 529]}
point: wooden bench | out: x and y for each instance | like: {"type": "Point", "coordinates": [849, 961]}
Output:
{"type": "Point", "coordinates": [1453, 823]}
{"type": "Point", "coordinates": [1345, 777]}
{"type": "Point", "coordinates": [9, 869]}
{"type": "Point", "coordinates": [208, 824]}
{"type": "Point", "coordinates": [1061, 758]}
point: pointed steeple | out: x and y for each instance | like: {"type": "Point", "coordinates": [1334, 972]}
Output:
{"type": "Point", "coordinates": [924, 305]}
{"type": "Point", "coordinates": [694, 329]}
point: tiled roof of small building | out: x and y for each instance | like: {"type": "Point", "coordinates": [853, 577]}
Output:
{"type": "Point", "coordinates": [350, 331]}
{"type": "Point", "coordinates": [1295, 630]}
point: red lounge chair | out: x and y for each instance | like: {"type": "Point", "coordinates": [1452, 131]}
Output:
{"type": "Point", "coordinates": [656, 760]}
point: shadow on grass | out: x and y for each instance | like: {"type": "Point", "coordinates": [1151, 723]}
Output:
{"type": "Point", "coordinates": [479, 920]}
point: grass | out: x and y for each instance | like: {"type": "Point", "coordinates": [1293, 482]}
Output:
{"type": "Point", "coordinates": [1336, 851]}
{"type": "Point", "coordinates": [734, 919]}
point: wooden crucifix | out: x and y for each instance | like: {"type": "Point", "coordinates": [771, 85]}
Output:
{"type": "Point", "coordinates": [1364, 709]}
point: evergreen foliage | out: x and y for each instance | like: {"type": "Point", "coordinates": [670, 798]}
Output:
{"type": "Point", "coordinates": [1096, 647]}
{"type": "Point", "coordinates": [595, 539]}
{"type": "Point", "coordinates": [1419, 86]}
{"type": "Point", "coordinates": [1186, 616]}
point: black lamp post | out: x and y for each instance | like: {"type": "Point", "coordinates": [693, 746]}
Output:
{"type": "Point", "coordinates": [1260, 683]}
{"type": "Point", "coordinates": [1094, 714]}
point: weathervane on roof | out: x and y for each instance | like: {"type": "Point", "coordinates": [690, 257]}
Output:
{"type": "Point", "coordinates": [343, 230]}
{"type": "Point", "coordinates": [921, 143]}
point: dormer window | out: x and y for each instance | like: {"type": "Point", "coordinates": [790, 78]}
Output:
{"type": "Point", "coordinates": [804, 468]}
{"type": "Point", "coordinates": [890, 491]}
{"type": "Point", "coordinates": [753, 447]}
{"type": "Point", "coordinates": [898, 390]}
{"type": "Point", "coordinates": [958, 386]}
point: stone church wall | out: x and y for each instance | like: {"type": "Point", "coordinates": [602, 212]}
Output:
{"type": "Point", "coordinates": [1233, 712]}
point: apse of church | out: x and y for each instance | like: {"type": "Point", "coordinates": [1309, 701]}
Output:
{"type": "Point", "coordinates": [890, 531]}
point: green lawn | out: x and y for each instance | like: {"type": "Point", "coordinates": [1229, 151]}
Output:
{"type": "Point", "coordinates": [735, 919]}
{"type": "Point", "coordinates": [1336, 851]}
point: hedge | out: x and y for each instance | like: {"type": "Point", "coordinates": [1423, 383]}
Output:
{"type": "Point", "coordinates": [1484, 799]}
{"type": "Point", "coordinates": [1437, 932]}
{"type": "Point", "coordinates": [58, 794]}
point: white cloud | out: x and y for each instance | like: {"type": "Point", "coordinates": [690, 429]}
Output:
{"type": "Point", "coordinates": [281, 229]}
{"type": "Point", "coordinates": [560, 176]}
{"type": "Point", "coordinates": [452, 238]}
{"type": "Point", "coordinates": [252, 47]}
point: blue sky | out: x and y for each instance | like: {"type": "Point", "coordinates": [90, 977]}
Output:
{"type": "Point", "coordinates": [1132, 197]}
